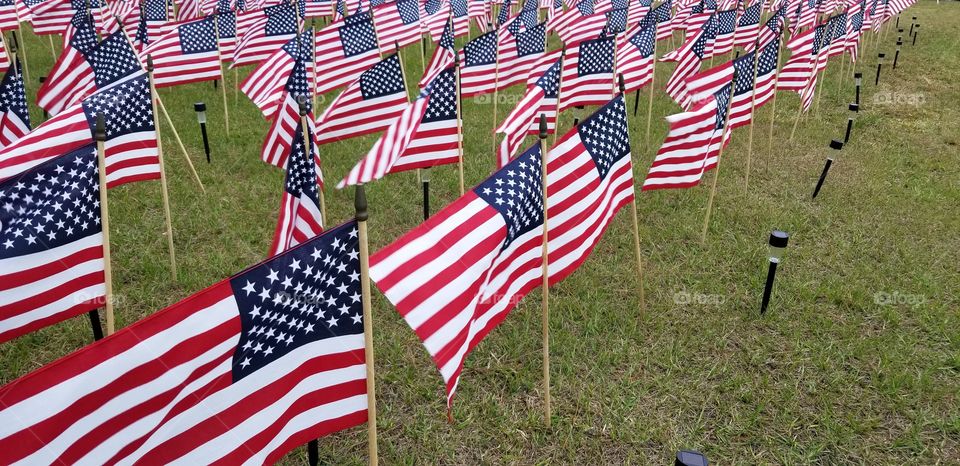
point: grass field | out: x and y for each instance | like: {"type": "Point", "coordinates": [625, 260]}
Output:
{"type": "Point", "coordinates": [857, 361]}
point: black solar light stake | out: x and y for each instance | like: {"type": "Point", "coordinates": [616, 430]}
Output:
{"type": "Point", "coordinates": [896, 55]}
{"type": "Point", "coordinates": [778, 243]}
{"type": "Point", "coordinates": [690, 458]}
{"type": "Point", "coordinates": [879, 65]}
{"type": "Point", "coordinates": [201, 109]}
{"type": "Point", "coordinates": [915, 34]}
{"type": "Point", "coordinates": [913, 22]}
{"type": "Point", "coordinates": [425, 181]}
{"type": "Point", "coordinates": [43, 79]}
{"type": "Point", "coordinates": [835, 145]}
{"type": "Point", "coordinates": [855, 109]}
{"type": "Point", "coordinates": [858, 80]}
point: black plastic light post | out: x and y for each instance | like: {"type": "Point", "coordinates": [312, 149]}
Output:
{"type": "Point", "coordinates": [425, 181]}
{"type": "Point", "coordinates": [778, 243]}
{"type": "Point", "coordinates": [854, 108]}
{"type": "Point", "coordinates": [915, 34]}
{"type": "Point", "coordinates": [201, 109]}
{"type": "Point", "coordinates": [43, 79]}
{"type": "Point", "coordinates": [896, 55]}
{"type": "Point", "coordinates": [913, 22]}
{"type": "Point", "coordinates": [858, 80]}
{"type": "Point", "coordinates": [690, 458]}
{"type": "Point", "coordinates": [880, 57]}
{"type": "Point", "coordinates": [834, 145]}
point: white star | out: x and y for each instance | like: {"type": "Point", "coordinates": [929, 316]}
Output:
{"type": "Point", "coordinates": [273, 276]}
{"type": "Point", "coordinates": [245, 363]}
{"type": "Point", "coordinates": [249, 288]}
{"type": "Point", "coordinates": [356, 318]}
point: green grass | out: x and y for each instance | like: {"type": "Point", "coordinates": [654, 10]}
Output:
{"type": "Point", "coordinates": [827, 376]}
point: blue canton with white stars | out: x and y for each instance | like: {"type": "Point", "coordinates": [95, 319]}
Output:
{"type": "Point", "coordinates": [528, 18]}
{"type": "Point", "coordinates": [516, 192]}
{"type": "Point", "coordinates": [446, 38]}
{"type": "Point", "coordinates": [302, 48]}
{"type": "Point", "coordinates": [297, 84]}
{"type": "Point", "coordinates": [839, 26]}
{"type": "Point", "coordinates": [596, 56]}
{"type": "Point", "coordinates": [198, 37]}
{"type": "Point", "coordinates": [550, 81]}
{"type": "Point", "coordinates": [113, 60]}
{"type": "Point", "coordinates": [409, 11]}
{"type": "Point", "coordinates": [227, 25]}
{"type": "Point", "coordinates": [155, 10]}
{"type": "Point", "coordinates": [662, 12]}
{"type": "Point", "coordinates": [51, 204]}
{"type": "Point", "coordinates": [384, 78]}
{"type": "Point", "coordinates": [751, 15]}
{"type": "Point", "coordinates": [301, 170]}
{"type": "Point", "coordinates": [357, 34]}
{"type": "Point", "coordinates": [699, 47]}
{"type": "Point", "coordinates": [84, 35]}
{"type": "Point", "coordinates": [531, 41]}
{"type": "Point", "coordinates": [604, 135]}
{"type": "Point", "coordinates": [304, 295]}
{"type": "Point", "coordinates": [432, 6]}
{"type": "Point", "coordinates": [126, 108]}
{"type": "Point", "coordinates": [643, 40]}
{"type": "Point", "coordinates": [443, 98]}
{"type": "Point", "coordinates": [726, 21]}
{"type": "Point", "coordinates": [743, 66]}
{"type": "Point", "coordinates": [281, 20]}
{"type": "Point", "coordinates": [13, 97]}
{"type": "Point", "coordinates": [722, 96]}
{"type": "Point", "coordinates": [459, 8]}
{"type": "Point", "coordinates": [504, 13]}
{"type": "Point", "coordinates": [585, 7]}
{"type": "Point", "coordinates": [768, 58]}
{"type": "Point", "coordinates": [616, 21]}
{"type": "Point", "coordinates": [482, 50]}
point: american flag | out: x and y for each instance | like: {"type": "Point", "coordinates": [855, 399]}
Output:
{"type": "Point", "coordinates": [805, 15]}
{"type": "Point", "coordinates": [9, 19]}
{"type": "Point", "coordinates": [638, 11]}
{"type": "Point", "coordinates": [369, 105]}
{"type": "Point", "coordinates": [519, 52]}
{"type": "Point", "coordinates": [286, 119]}
{"type": "Point", "coordinates": [300, 217]}
{"type": "Point", "coordinates": [854, 29]}
{"type": "Point", "coordinates": [79, 73]}
{"type": "Point", "coordinates": [279, 24]}
{"type": "Point", "coordinates": [700, 16]}
{"type": "Point", "coordinates": [265, 85]}
{"type": "Point", "coordinates": [345, 49]}
{"type": "Point", "coordinates": [661, 15]}
{"type": "Point", "coordinates": [772, 29]}
{"type": "Point", "coordinates": [479, 10]}
{"type": "Point", "coordinates": [227, 33]}
{"type": "Point", "coordinates": [317, 8]}
{"type": "Point", "coordinates": [692, 144]}
{"type": "Point", "coordinates": [748, 26]}
{"type": "Point", "coordinates": [838, 37]}
{"type": "Point", "coordinates": [588, 73]}
{"type": "Point", "coordinates": [635, 56]}
{"type": "Point", "coordinates": [397, 23]}
{"type": "Point", "coordinates": [689, 56]}
{"type": "Point", "coordinates": [726, 27]}
{"type": "Point", "coordinates": [478, 70]}
{"type": "Point", "coordinates": [4, 58]}
{"type": "Point", "coordinates": [425, 135]}
{"type": "Point", "coordinates": [800, 72]}
{"type": "Point", "coordinates": [71, 78]}
{"type": "Point", "coordinates": [241, 372]}
{"type": "Point", "coordinates": [458, 275]}
{"type": "Point", "coordinates": [131, 146]}
{"type": "Point", "coordinates": [188, 10]}
{"type": "Point", "coordinates": [616, 21]}
{"type": "Point", "coordinates": [14, 112]}
{"type": "Point", "coordinates": [53, 16]}
{"type": "Point", "coordinates": [540, 98]}
{"type": "Point", "coordinates": [152, 22]}
{"type": "Point", "coordinates": [51, 246]}
{"type": "Point", "coordinates": [584, 22]}
{"type": "Point", "coordinates": [186, 54]}
{"type": "Point", "coordinates": [443, 56]}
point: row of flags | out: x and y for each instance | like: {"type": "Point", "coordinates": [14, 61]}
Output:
{"type": "Point", "coordinates": [276, 355]}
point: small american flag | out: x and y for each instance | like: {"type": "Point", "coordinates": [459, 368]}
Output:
{"type": "Point", "coordinates": [519, 52]}
{"type": "Point", "coordinates": [700, 16]}
{"type": "Point", "coordinates": [152, 22]}
{"type": "Point", "coordinates": [64, 85]}
{"type": "Point", "coordinates": [854, 29]}
{"type": "Point", "coordinates": [286, 121]}
{"type": "Point", "coordinates": [703, 85]}
{"type": "Point", "coordinates": [635, 56]}
{"type": "Point", "coordinates": [397, 23]}
{"type": "Point", "coordinates": [425, 135]}
{"type": "Point", "coordinates": [748, 26]}
{"type": "Point", "coordinates": [478, 71]}
{"type": "Point", "coordinates": [369, 105]}
{"type": "Point", "coordinates": [131, 146]}
{"type": "Point", "coordinates": [540, 98]}
{"type": "Point", "coordinates": [771, 29]}
{"type": "Point", "coordinates": [53, 16]}
{"type": "Point", "coordinates": [265, 85]}
{"type": "Point", "coordinates": [443, 56]}
{"type": "Point", "coordinates": [801, 69]}
{"type": "Point", "coordinates": [662, 16]}
{"type": "Point", "coordinates": [300, 218]}
{"type": "Point", "coordinates": [241, 372]}
{"type": "Point", "coordinates": [187, 53]}
{"type": "Point", "coordinates": [689, 56]}
{"type": "Point", "coordinates": [588, 73]}
{"type": "Point", "coordinates": [692, 144]}
{"type": "Point", "coordinates": [345, 49]}
{"type": "Point", "coordinates": [457, 276]}
{"type": "Point", "coordinates": [51, 246]}
{"type": "Point", "coordinates": [726, 27]}
{"type": "Point", "coordinates": [584, 22]}
{"type": "Point", "coordinates": [227, 31]}
{"type": "Point", "coordinates": [838, 37]}
{"type": "Point", "coordinates": [14, 112]}
{"type": "Point", "coordinates": [79, 73]}
{"type": "Point", "coordinates": [8, 15]}
{"type": "Point", "coordinates": [278, 25]}
{"type": "Point", "coordinates": [479, 10]}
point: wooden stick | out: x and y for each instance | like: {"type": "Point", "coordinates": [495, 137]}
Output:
{"type": "Point", "coordinates": [636, 223]}
{"type": "Point", "coordinates": [753, 109]}
{"type": "Point", "coordinates": [653, 78]}
{"type": "Point", "coordinates": [100, 134]}
{"type": "Point", "coordinates": [716, 175]}
{"type": "Point", "coordinates": [360, 203]}
{"type": "Point", "coordinates": [53, 50]}
{"type": "Point", "coordinates": [796, 121]}
{"type": "Point", "coordinates": [459, 127]}
{"type": "Point", "coordinates": [556, 114]}
{"type": "Point", "coordinates": [843, 64]}
{"type": "Point", "coordinates": [183, 149]}
{"type": "Point", "coordinates": [223, 77]}
{"type": "Point", "coordinates": [496, 93]}
{"type": "Point", "coordinates": [776, 81]}
{"type": "Point", "coordinates": [164, 194]}
{"type": "Point", "coordinates": [545, 271]}
{"type": "Point", "coordinates": [308, 148]}
{"type": "Point", "coordinates": [23, 52]}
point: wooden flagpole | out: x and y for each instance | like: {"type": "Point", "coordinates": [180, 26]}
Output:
{"type": "Point", "coordinates": [636, 222]}
{"type": "Point", "coordinates": [556, 114]}
{"type": "Point", "coordinates": [22, 46]}
{"type": "Point", "coordinates": [716, 174]}
{"type": "Point", "coordinates": [100, 134]}
{"type": "Point", "coordinates": [496, 90]}
{"type": "Point", "coordinates": [843, 64]}
{"type": "Point", "coordinates": [53, 50]}
{"type": "Point", "coordinates": [753, 109]}
{"type": "Point", "coordinates": [223, 76]}
{"type": "Point", "coordinates": [820, 85]}
{"type": "Point", "coordinates": [308, 147]}
{"type": "Point", "coordinates": [776, 81]}
{"type": "Point", "coordinates": [456, 67]}
{"type": "Point", "coordinates": [653, 78]}
{"type": "Point", "coordinates": [360, 203]}
{"type": "Point", "coordinates": [545, 271]}
{"type": "Point", "coordinates": [163, 174]}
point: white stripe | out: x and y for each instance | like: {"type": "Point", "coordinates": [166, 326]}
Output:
{"type": "Point", "coordinates": [56, 307]}
{"type": "Point", "coordinates": [11, 296]}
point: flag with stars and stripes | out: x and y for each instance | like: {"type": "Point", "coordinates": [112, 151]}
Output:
{"type": "Point", "coordinates": [425, 135]}
{"type": "Point", "coordinates": [300, 218]}
{"type": "Point", "coordinates": [837, 25]}
{"type": "Point", "coordinates": [278, 24]}
{"type": "Point", "coordinates": [588, 73]}
{"type": "Point", "coordinates": [9, 19]}
{"type": "Point", "coordinates": [152, 22]}
{"type": "Point", "coordinates": [805, 15]}
{"type": "Point", "coordinates": [345, 49]}
{"type": "Point", "coordinates": [584, 22]}
{"type": "Point", "coordinates": [443, 56]}
{"type": "Point", "coordinates": [266, 84]}
{"type": "Point", "coordinates": [187, 53]}
{"type": "Point", "coordinates": [51, 245]}
{"type": "Point", "coordinates": [239, 373]}
{"type": "Point", "coordinates": [480, 11]}
{"type": "Point", "coordinates": [700, 15]}
{"type": "Point", "coordinates": [131, 146]}
{"type": "Point", "coordinates": [726, 28]}
{"type": "Point", "coordinates": [688, 58]}
{"type": "Point", "coordinates": [662, 14]}
{"type": "Point", "coordinates": [458, 275]}
{"type": "Point", "coordinates": [286, 118]}
{"type": "Point", "coordinates": [226, 22]}
{"type": "Point", "coordinates": [368, 105]}
{"type": "Point", "coordinates": [397, 23]}
{"type": "Point", "coordinates": [801, 69]}
{"type": "Point", "coordinates": [518, 53]}
{"type": "Point", "coordinates": [14, 112]}
{"type": "Point", "coordinates": [854, 29]}
{"type": "Point", "coordinates": [478, 65]}
{"type": "Point", "coordinates": [540, 98]}
{"type": "Point", "coordinates": [773, 28]}
{"type": "Point", "coordinates": [692, 145]}
{"type": "Point", "coordinates": [53, 16]}
{"type": "Point", "coordinates": [86, 66]}
{"type": "Point", "coordinates": [635, 56]}
{"type": "Point", "coordinates": [748, 26]}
